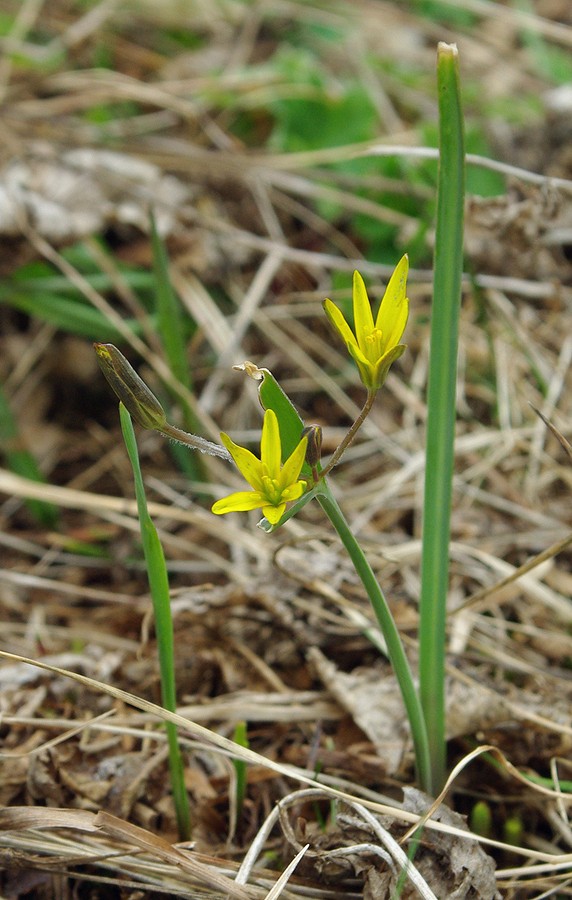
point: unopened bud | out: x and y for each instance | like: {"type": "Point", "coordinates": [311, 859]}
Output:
{"type": "Point", "coordinates": [140, 402]}
{"type": "Point", "coordinates": [314, 448]}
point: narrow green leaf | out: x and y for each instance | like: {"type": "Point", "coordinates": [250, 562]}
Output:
{"type": "Point", "coordinates": [70, 315]}
{"type": "Point", "coordinates": [170, 330]}
{"type": "Point", "coordinates": [240, 737]}
{"type": "Point", "coordinates": [448, 269]}
{"type": "Point", "coordinates": [160, 595]}
{"type": "Point", "coordinates": [169, 318]}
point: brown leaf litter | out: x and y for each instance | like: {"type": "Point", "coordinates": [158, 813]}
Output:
{"type": "Point", "coordinates": [272, 630]}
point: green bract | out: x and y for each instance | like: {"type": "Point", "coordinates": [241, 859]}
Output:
{"type": "Point", "coordinates": [273, 485]}
{"type": "Point", "coordinates": [375, 345]}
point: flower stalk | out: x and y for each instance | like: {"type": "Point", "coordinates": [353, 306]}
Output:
{"type": "Point", "coordinates": [395, 649]}
{"type": "Point", "coordinates": [374, 345]}
{"type": "Point", "coordinates": [347, 440]}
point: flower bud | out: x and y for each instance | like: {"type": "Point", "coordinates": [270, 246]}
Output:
{"type": "Point", "coordinates": [140, 402]}
{"type": "Point", "coordinates": [314, 448]}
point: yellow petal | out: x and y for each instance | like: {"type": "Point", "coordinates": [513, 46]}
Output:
{"type": "Point", "coordinates": [339, 323]}
{"type": "Point", "coordinates": [294, 491]}
{"type": "Point", "coordinates": [270, 445]}
{"type": "Point", "coordinates": [274, 513]}
{"type": "Point", "coordinates": [363, 316]}
{"type": "Point", "coordinates": [385, 363]}
{"type": "Point", "coordinates": [246, 462]}
{"type": "Point", "coordinates": [293, 465]}
{"type": "Point", "coordinates": [394, 309]}
{"type": "Point", "coordinates": [366, 369]}
{"type": "Point", "coordinates": [241, 501]}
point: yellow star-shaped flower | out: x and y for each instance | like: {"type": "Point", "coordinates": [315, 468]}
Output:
{"type": "Point", "coordinates": [375, 345]}
{"type": "Point", "coordinates": [273, 484]}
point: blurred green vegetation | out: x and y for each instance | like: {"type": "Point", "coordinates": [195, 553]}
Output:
{"type": "Point", "coordinates": [40, 291]}
{"type": "Point", "coordinates": [302, 90]}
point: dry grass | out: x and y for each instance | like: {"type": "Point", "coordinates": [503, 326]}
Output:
{"type": "Point", "coordinates": [269, 630]}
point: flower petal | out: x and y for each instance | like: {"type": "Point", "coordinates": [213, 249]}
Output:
{"type": "Point", "coordinates": [274, 485]}
{"type": "Point", "coordinates": [294, 491]}
{"type": "Point", "coordinates": [241, 501]}
{"type": "Point", "coordinates": [363, 316]}
{"type": "Point", "coordinates": [293, 465]}
{"type": "Point", "coordinates": [247, 463]}
{"type": "Point", "coordinates": [270, 445]}
{"type": "Point", "coordinates": [384, 364]}
{"type": "Point", "coordinates": [339, 323]}
{"type": "Point", "coordinates": [274, 513]}
{"type": "Point", "coordinates": [366, 369]}
{"type": "Point", "coordinates": [394, 310]}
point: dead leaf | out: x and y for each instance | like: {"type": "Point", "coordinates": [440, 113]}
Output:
{"type": "Point", "coordinates": [18, 818]}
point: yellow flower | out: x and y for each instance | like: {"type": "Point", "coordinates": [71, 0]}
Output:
{"type": "Point", "coordinates": [375, 346]}
{"type": "Point", "coordinates": [273, 485]}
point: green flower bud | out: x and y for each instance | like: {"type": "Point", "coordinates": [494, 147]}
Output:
{"type": "Point", "coordinates": [140, 402]}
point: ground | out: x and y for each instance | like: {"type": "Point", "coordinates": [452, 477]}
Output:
{"type": "Point", "coordinates": [278, 147]}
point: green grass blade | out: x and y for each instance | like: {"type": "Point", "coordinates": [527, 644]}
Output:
{"type": "Point", "coordinates": [170, 330]}
{"type": "Point", "coordinates": [49, 283]}
{"type": "Point", "coordinates": [159, 587]}
{"type": "Point", "coordinates": [169, 318]}
{"type": "Point", "coordinates": [68, 314]}
{"type": "Point", "coordinates": [448, 269]}
{"type": "Point", "coordinates": [240, 737]}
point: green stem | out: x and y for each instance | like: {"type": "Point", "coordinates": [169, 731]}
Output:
{"type": "Point", "coordinates": [336, 456]}
{"type": "Point", "coordinates": [389, 630]}
{"type": "Point", "coordinates": [240, 737]}
{"type": "Point", "coordinates": [441, 410]}
{"type": "Point", "coordinates": [159, 587]}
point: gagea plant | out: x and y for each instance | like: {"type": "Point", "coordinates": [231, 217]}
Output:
{"type": "Point", "coordinates": [289, 472]}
